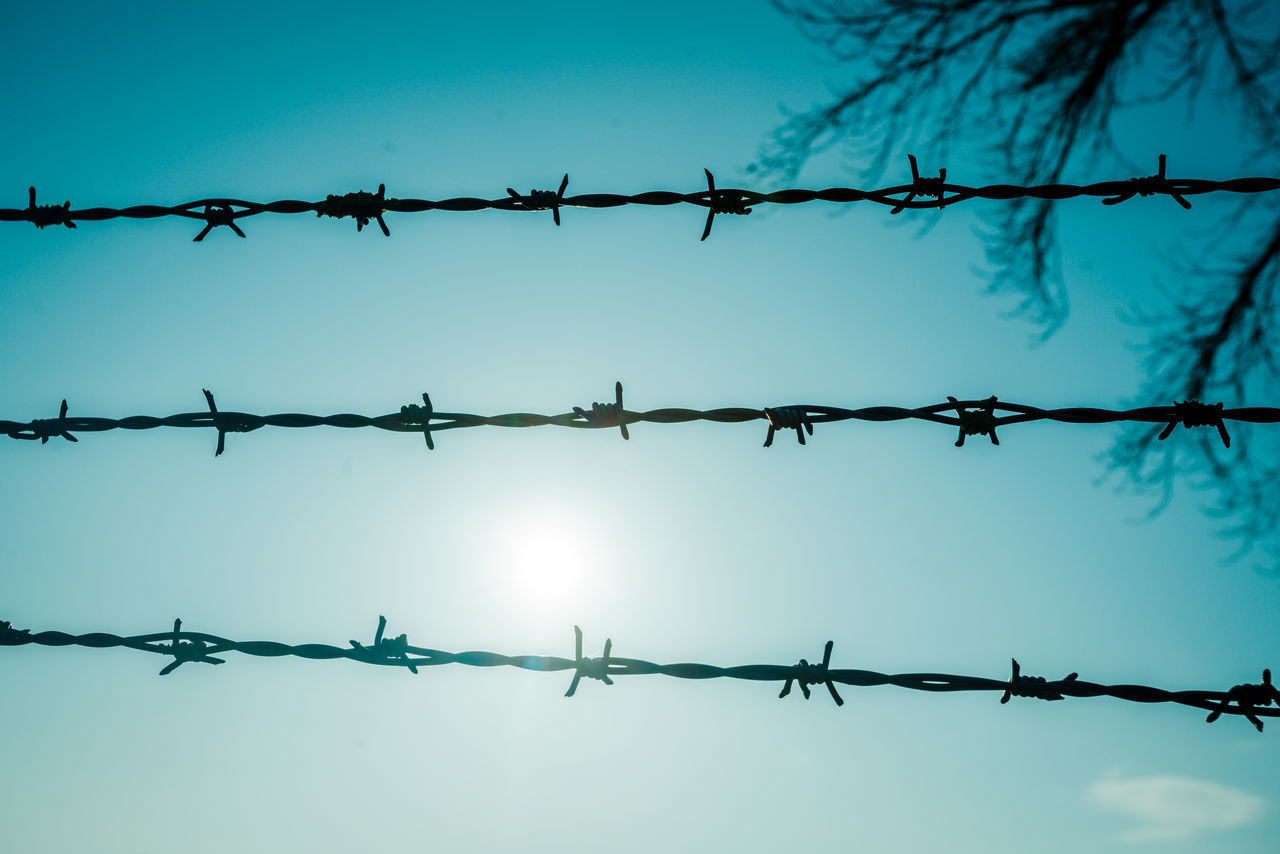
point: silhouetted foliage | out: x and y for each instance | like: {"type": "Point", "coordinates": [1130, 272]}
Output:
{"type": "Point", "coordinates": [1042, 80]}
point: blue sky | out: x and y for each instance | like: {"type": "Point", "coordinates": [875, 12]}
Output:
{"type": "Point", "coordinates": [687, 543]}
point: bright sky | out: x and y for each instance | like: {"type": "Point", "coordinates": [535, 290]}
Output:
{"type": "Point", "coordinates": [687, 543]}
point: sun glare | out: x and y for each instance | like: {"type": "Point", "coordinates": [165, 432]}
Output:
{"type": "Point", "coordinates": [545, 560]}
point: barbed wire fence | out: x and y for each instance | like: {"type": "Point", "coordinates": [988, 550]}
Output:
{"type": "Point", "coordinates": [366, 207]}
{"type": "Point", "coordinates": [978, 417]}
{"type": "Point", "coordinates": [1250, 700]}
{"type": "Point", "coordinates": [970, 417]}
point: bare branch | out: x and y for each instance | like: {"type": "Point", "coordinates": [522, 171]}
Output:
{"type": "Point", "coordinates": [1041, 79]}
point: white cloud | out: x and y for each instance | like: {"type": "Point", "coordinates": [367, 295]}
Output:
{"type": "Point", "coordinates": [1170, 807]}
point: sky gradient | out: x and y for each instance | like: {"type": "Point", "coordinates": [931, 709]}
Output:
{"type": "Point", "coordinates": [686, 543]}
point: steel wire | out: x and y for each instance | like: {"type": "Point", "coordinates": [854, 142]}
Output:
{"type": "Point", "coordinates": [365, 207]}
{"type": "Point", "coordinates": [1252, 701]}
{"type": "Point", "coordinates": [979, 417]}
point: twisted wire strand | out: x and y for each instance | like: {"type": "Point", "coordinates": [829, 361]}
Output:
{"type": "Point", "coordinates": [363, 207]}
{"type": "Point", "coordinates": [1252, 701]}
{"type": "Point", "coordinates": [971, 417]}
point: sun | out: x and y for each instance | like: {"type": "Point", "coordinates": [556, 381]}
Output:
{"type": "Point", "coordinates": [546, 561]}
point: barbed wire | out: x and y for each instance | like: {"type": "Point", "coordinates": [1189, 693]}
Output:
{"type": "Point", "coordinates": [365, 207]}
{"type": "Point", "coordinates": [970, 417]}
{"type": "Point", "coordinates": [1251, 701]}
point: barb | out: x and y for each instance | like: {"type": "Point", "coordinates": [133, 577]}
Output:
{"type": "Point", "coordinates": [1252, 702]}
{"type": "Point", "coordinates": [813, 674]}
{"type": "Point", "coordinates": [43, 215]}
{"type": "Point", "coordinates": [969, 417]}
{"type": "Point", "coordinates": [43, 429]}
{"type": "Point", "coordinates": [229, 422]}
{"type": "Point", "coordinates": [591, 668]}
{"type": "Point", "coordinates": [787, 418]}
{"type": "Point", "coordinates": [606, 414]}
{"type": "Point", "coordinates": [1150, 185]}
{"type": "Point", "coordinates": [196, 649]}
{"type": "Point", "coordinates": [541, 200]}
{"type": "Point", "coordinates": [415, 415]}
{"type": "Point", "coordinates": [387, 650]}
{"type": "Point", "coordinates": [921, 193]}
{"type": "Point", "coordinates": [1033, 686]}
{"type": "Point", "coordinates": [722, 202]}
{"type": "Point", "coordinates": [934, 187]}
{"type": "Point", "coordinates": [360, 205]}
{"type": "Point", "coordinates": [976, 422]}
{"type": "Point", "coordinates": [215, 215]}
{"type": "Point", "coordinates": [1193, 413]}
{"type": "Point", "coordinates": [1248, 698]}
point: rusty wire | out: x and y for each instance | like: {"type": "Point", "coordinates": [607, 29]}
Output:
{"type": "Point", "coordinates": [365, 207]}
{"type": "Point", "coordinates": [1252, 701]}
{"type": "Point", "coordinates": [970, 417]}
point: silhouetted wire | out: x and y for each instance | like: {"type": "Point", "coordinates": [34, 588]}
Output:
{"type": "Point", "coordinates": [1253, 701]}
{"type": "Point", "coordinates": [365, 207]}
{"type": "Point", "coordinates": [971, 417]}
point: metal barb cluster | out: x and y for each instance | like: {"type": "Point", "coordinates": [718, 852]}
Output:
{"type": "Point", "coordinates": [976, 422]}
{"type": "Point", "coordinates": [1248, 698]}
{"type": "Point", "coordinates": [229, 422]}
{"type": "Point", "coordinates": [787, 418]}
{"type": "Point", "coordinates": [1193, 413]}
{"type": "Point", "coordinates": [606, 414]}
{"type": "Point", "coordinates": [969, 417]}
{"type": "Point", "coordinates": [813, 674]}
{"type": "Point", "coordinates": [43, 429]}
{"type": "Point", "coordinates": [590, 668]}
{"type": "Point", "coordinates": [1033, 686]}
{"type": "Point", "coordinates": [216, 215]}
{"type": "Point", "coordinates": [1252, 702]}
{"type": "Point", "coordinates": [387, 650]}
{"type": "Point", "coordinates": [1148, 186]}
{"type": "Point", "coordinates": [43, 215]}
{"type": "Point", "coordinates": [722, 202]}
{"type": "Point", "coordinates": [196, 649]}
{"type": "Point", "coordinates": [359, 205]}
{"type": "Point", "coordinates": [933, 187]}
{"type": "Point", "coordinates": [920, 194]}
{"type": "Point", "coordinates": [415, 415]}
{"type": "Point", "coordinates": [542, 200]}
